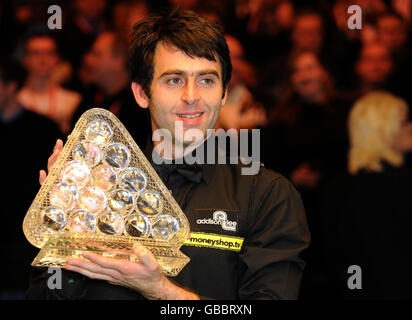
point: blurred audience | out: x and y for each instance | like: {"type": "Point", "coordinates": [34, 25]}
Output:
{"type": "Point", "coordinates": [373, 68]}
{"type": "Point", "coordinates": [297, 68]}
{"type": "Point", "coordinates": [83, 24]}
{"type": "Point", "coordinates": [367, 213]}
{"type": "Point", "coordinates": [241, 110]}
{"type": "Point", "coordinates": [19, 127]}
{"type": "Point", "coordinates": [41, 92]}
{"type": "Point", "coordinates": [126, 14]}
{"type": "Point", "coordinates": [307, 34]}
{"type": "Point", "coordinates": [106, 64]}
{"type": "Point", "coordinates": [305, 141]}
{"type": "Point", "coordinates": [392, 31]}
{"type": "Point", "coordinates": [308, 123]}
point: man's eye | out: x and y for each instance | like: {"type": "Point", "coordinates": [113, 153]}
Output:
{"type": "Point", "coordinates": [207, 81]}
{"type": "Point", "coordinates": [174, 81]}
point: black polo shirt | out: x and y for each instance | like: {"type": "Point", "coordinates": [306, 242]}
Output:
{"type": "Point", "coordinates": [263, 210]}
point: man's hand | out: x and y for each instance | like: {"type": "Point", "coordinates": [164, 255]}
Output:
{"type": "Point", "coordinates": [145, 276]}
{"type": "Point", "coordinates": [58, 147]}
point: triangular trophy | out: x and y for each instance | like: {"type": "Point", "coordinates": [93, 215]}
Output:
{"type": "Point", "coordinates": [102, 195]}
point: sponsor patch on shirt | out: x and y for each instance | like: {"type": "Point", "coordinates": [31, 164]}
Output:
{"type": "Point", "coordinates": [216, 220]}
{"type": "Point", "coordinates": [216, 241]}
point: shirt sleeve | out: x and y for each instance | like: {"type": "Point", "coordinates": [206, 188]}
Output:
{"type": "Point", "coordinates": [271, 267]}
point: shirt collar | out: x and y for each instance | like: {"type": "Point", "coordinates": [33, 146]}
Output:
{"type": "Point", "coordinates": [206, 169]}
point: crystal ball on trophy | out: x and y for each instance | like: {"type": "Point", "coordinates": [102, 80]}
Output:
{"type": "Point", "coordinates": [149, 202]}
{"type": "Point", "coordinates": [53, 218]}
{"type": "Point", "coordinates": [99, 132]}
{"type": "Point", "coordinates": [116, 155]}
{"type": "Point", "coordinates": [88, 152]}
{"type": "Point", "coordinates": [110, 223]}
{"type": "Point", "coordinates": [138, 225]}
{"type": "Point", "coordinates": [104, 177]}
{"type": "Point", "coordinates": [82, 221]}
{"type": "Point", "coordinates": [121, 201]}
{"type": "Point", "coordinates": [93, 199]}
{"type": "Point", "coordinates": [63, 196]}
{"type": "Point", "coordinates": [76, 173]}
{"type": "Point", "coordinates": [132, 179]}
{"type": "Point", "coordinates": [165, 227]}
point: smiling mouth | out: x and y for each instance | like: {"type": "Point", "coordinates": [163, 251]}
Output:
{"type": "Point", "coordinates": [190, 115]}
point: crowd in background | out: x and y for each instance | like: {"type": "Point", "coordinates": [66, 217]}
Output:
{"type": "Point", "coordinates": [298, 71]}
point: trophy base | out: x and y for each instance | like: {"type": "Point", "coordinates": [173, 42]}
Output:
{"type": "Point", "coordinates": [58, 249]}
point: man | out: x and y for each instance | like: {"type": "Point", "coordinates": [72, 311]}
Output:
{"type": "Point", "coordinates": [374, 67]}
{"type": "Point", "coordinates": [84, 23]}
{"type": "Point", "coordinates": [106, 65]}
{"type": "Point", "coordinates": [180, 69]}
{"type": "Point", "coordinates": [18, 127]}
{"type": "Point", "coordinates": [392, 31]}
{"type": "Point", "coordinates": [41, 93]}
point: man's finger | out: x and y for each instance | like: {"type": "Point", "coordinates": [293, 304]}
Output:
{"type": "Point", "coordinates": [42, 177]}
{"type": "Point", "coordinates": [52, 159]}
{"type": "Point", "coordinates": [58, 145]}
{"type": "Point", "coordinates": [92, 267]}
{"type": "Point", "coordinates": [118, 266]}
{"type": "Point", "coordinates": [88, 273]}
{"type": "Point", "coordinates": [146, 256]}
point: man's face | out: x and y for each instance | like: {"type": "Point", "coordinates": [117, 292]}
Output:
{"type": "Point", "coordinates": [308, 76]}
{"type": "Point", "coordinates": [100, 60]}
{"type": "Point", "coordinates": [308, 33]}
{"type": "Point", "coordinates": [375, 64]}
{"type": "Point", "coordinates": [391, 32]}
{"type": "Point", "coordinates": [40, 56]}
{"type": "Point", "coordinates": [184, 89]}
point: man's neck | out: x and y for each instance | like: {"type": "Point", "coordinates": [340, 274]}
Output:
{"type": "Point", "coordinates": [39, 84]}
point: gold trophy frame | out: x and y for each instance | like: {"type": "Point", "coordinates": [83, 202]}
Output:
{"type": "Point", "coordinates": [57, 246]}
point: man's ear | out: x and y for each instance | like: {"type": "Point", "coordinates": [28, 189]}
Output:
{"type": "Point", "coordinates": [139, 95]}
{"type": "Point", "coordinates": [224, 97]}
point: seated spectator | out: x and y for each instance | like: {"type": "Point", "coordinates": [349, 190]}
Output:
{"type": "Point", "coordinates": [307, 34]}
{"type": "Point", "coordinates": [19, 127]}
{"type": "Point", "coordinates": [107, 68]}
{"type": "Point", "coordinates": [126, 13]}
{"type": "Point", "coordinates": [305, 140]}
{"type": "Point", "coordinates": [262, 26]}
{"type": "Point", "coordinates": [392, 31]}
{"type": "Point", "coordinates": [241, 110]}
{"type": "Point", "coordinates": [84, 24]}
{"type": "Point", "coordinates": [41, 92]}
{"type": "Point", "coordinates": [373, 68]}
{"type": "Point", "coordinates": [309, 123]}
{"type": "Point", "coordinates": [367, 213]}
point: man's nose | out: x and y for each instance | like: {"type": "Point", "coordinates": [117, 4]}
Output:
{"type": "Point", "coordinates": [190, 93]}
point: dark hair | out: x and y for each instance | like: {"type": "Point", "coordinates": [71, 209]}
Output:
{"type": "Point", "coordinates": [194, 35]}
{"type": "Point", "coordinates": [40, 32]}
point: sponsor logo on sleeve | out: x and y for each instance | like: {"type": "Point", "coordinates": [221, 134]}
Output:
{"type": "Point", "coordinates": [215, 241]}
